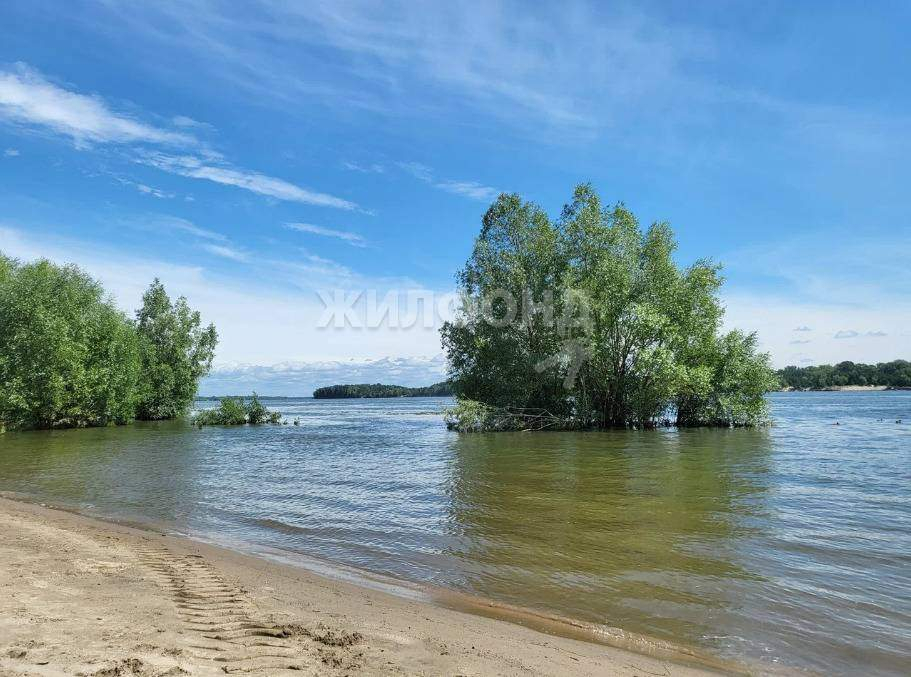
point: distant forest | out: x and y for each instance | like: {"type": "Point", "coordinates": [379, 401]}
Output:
{"type": "Point", "coordinates": [896, 374]}
{"type": "Point", "coordinates": [380, 390]}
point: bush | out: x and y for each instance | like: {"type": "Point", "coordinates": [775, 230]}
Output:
{"type": "Point", "coordinates": [234, 411]}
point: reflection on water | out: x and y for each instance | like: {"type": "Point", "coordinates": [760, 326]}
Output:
{"type": "Point", "coordinates": [789, 545]}
{"type": "Point", "coordinates": [630, 530]}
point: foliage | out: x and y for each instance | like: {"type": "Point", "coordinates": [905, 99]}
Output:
{"type": "Point", "coordinates": [68, 357]}
{"type": "Point", "coordinates": [175, 351]}
{"type": "Point", "coordinates": [589, 319]}
{"type": "Point", "coordinates": [235, 411]}
{"type": "Point", "coordinates": [380, 390]}
{"type": "Point", "coordinates": [895, 374]}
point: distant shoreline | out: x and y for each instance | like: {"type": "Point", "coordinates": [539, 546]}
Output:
{"type": "Point", "coordinates": [380, 390]}
{"type": "Point", "coordinates": [841, 389]}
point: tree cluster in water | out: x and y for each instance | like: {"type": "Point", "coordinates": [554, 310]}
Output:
{"type": "Point", "coordinates": [895, 374]}
{"type": "Point", "coordinates": [237, 411]}
{"type": "Point", "coordinates": [70, 358]}
{"type": "Point", "coordinates": [586, 321]}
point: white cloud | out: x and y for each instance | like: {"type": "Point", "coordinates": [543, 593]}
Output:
{"type": "Point", "coordinates": [845, 334]}
{"type": "Point", "coordinates": [154, 192]}
{"type": "Point", "coordinates": [225, 252]}
{"type": "Point", "coordinates": [374, 168]}
{"type": "Point", "coordinates": [188, 122]}
{"type": "Point", "coordinates": [470, 189]}
{"type": "Point", "coordinates": [349, 237]}
{"type": "Point", "coordinates": [852, 293]}
{"type": "Point", "coordinates": [774, 316]}
{"type": "Point", "coordinates": [567, 65]}
{"type": "Point", "coordinates": [198, 168]}
{"type": "Point", "coordinates": [26, 97]}
{"type": "Point", "coordinates": [11, 152]}
{"type": "Point", "coordinates": [418, 171]}
{"type": "Point", "coordinates": [162, 222]}
{"type": "Point", "coordinates": [330, 272]}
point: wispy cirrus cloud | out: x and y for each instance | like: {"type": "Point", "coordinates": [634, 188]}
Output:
{"type": "Point", "coordinates": [196, 167]}
{"type": "Point", "coordinates": [351, 238]}
{"type": "Point", "coordinates": [226, 252]}
{"type": "Point", "coordinates": [374, 168]}
{"type": "Point", "coordinates": [28, 98]}
{"type": "Point", "coordinates": [190, 123]}
{"type": "Point", "coordinates": [469, 189]}
{"type": "Point", "coordinates": [159, 222]}
{"type": "Point", "coordinates": [154, 192]}
{"type": "Point", "coordinates": [11, 152]}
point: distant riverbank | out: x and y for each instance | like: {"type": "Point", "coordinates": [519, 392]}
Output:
{"type": "Point", "coordinates": [378, 390]}
{"type": "Point", "coordinates": [842, 389]}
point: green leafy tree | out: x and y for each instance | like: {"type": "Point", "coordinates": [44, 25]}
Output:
{"type": "Point", "coordinates": [895, 374]}
{"type": "Point", "coordinates": [588, 321]}
{"type": "Point", "coordinates": [68, 356]}
{"type": "Point", "coordinates": [500, 349]}
{"type": "Point", "coordinates": [176, 351]}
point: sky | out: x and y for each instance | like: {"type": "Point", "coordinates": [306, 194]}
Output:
{"type": "Point", "coordinates": [268, 158]}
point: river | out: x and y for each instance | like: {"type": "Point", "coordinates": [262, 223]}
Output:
{"type": "Point", "coordinates": [788, 546]}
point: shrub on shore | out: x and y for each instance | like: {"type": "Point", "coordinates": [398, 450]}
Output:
{"type": "Point", "coordinates": [235, 411]}
{"type": "Point", "coordinates": [70, 358]}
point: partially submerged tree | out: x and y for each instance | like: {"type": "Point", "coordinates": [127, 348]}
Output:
{"type": "Point", "coordinates": [235, 411]}
{"type": "Point", "coordinates": [176, 351]}
{"type": "Point", "coordinates": [589, 322]}
{"type": "Point", "coordinates": [68, 356]}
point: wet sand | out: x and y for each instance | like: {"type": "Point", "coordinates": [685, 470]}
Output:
{"type": "Point", "coordinates": [79, 596]}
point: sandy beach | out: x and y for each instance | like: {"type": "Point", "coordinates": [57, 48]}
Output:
{"type": "Point", "coordinates": [79, 596]}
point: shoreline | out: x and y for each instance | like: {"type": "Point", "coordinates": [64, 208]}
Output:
{"type": "Point", "coordinates": [81, 594]}
{"type": "Point", "coordinates": [844, 389]}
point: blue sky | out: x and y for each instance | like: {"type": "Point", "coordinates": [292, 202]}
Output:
{"type": "Point", "coordinates": [251, 155]}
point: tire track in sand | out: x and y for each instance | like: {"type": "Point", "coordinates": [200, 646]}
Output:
{"type": "Point", "coordinates": [223, 618]}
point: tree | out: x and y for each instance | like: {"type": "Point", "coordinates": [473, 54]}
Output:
{"type": "Point", "coordinates": [587, 321]}
{"type": "Point", "coordinates": [175, 353]}
{"type": "Point", "coordinates": [895, 374]}
{"type": "Point", "coordinates": [68, 356]}
{"type": "Point", "coordinates": [511, 290]}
